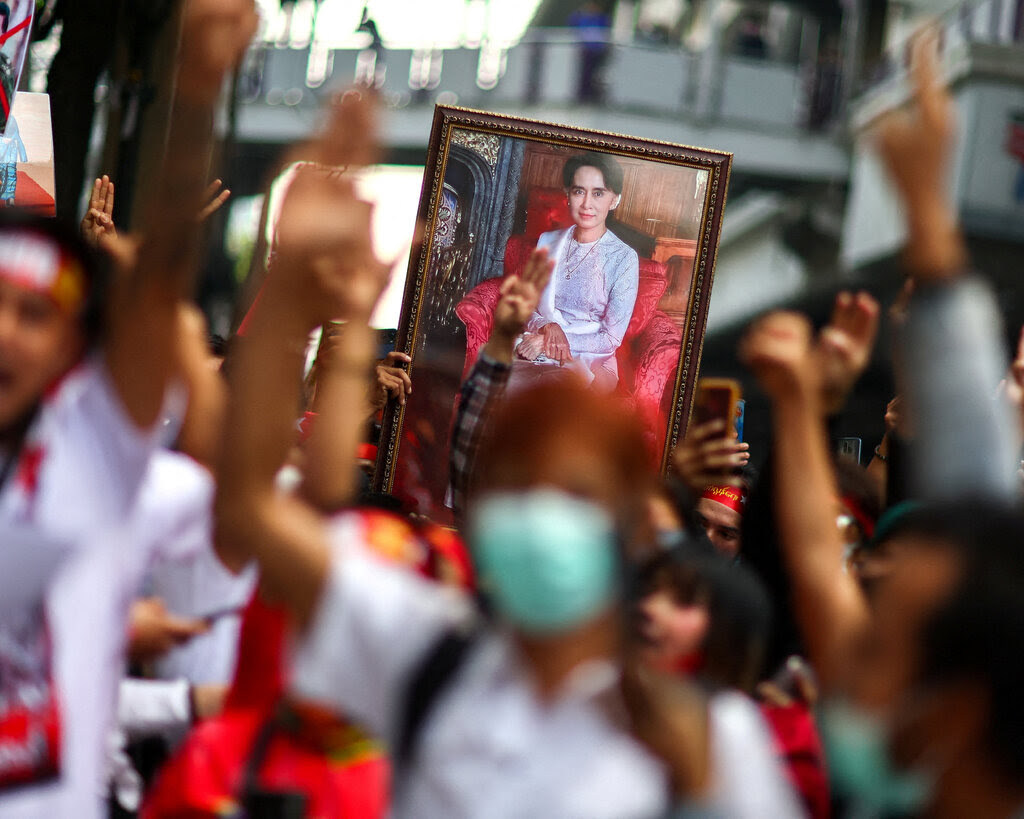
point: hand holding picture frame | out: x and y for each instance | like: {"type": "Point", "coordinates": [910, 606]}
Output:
{"type": "Point", "coordinates": [632, 226]}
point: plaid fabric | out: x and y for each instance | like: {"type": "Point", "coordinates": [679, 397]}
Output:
{"type": "Point", "coordinates": [485, 384]}
{"type": "Point", "coordinates": [8, 180]}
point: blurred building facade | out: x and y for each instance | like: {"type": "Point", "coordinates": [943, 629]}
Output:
{"type": "Point", "coordinates": [786, 86]}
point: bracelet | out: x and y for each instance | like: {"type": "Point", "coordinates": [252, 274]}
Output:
{"type": "Point", "coordinates": [879, 455]}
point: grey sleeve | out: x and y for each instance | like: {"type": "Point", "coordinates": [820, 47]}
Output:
{"type": "Point", "coordinates": [950, 361]}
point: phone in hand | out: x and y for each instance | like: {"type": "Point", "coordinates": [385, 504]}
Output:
{"type": "Point", "coordinates": [741, 412]}
{"type": "Point", "coordinates": [849, 448]}
{"type": "Point", "coordinates": [716, 399]}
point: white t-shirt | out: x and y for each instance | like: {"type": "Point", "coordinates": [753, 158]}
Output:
{"type": "Point", "coordinates": [491, 749]}
{"type": "Point", "coordinates": [77, 477]}
{"type": "Point", "coordinates": [749, 782]}
{"type": "Point", "coordinates": [82, 462]}
{"type": "Point", "coordinates": [186, 573]}
{"type": "Point", "coordinates": [81, 473]}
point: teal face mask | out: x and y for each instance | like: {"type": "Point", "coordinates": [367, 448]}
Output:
{"type": "Point", "coordinates": [857, 750]}
{"type": "Point", "coordinates": [548, 560]}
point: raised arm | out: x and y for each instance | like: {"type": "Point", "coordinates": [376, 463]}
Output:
{"type": "Point", "coordinates": [950, 356]}
{"type": "Point", "coordinates": [202, 426]}
{"type": "Point", "coordinates": [98, 223]}
{"type": "Point", "coordinates": [829, 607]}
{"type": "Point", "coordinates": [915, 145]}
{"type": "Point", "coordinates": [346, 362]}
{"type": "Point", "coordinates": [142, 337]}
{"type": "Point", "coordinates": [486, 381]}
{"type": "Point", "coordinates": [324, 269]}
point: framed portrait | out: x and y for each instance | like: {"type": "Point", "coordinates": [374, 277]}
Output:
{"type": "Point", "coordinates": [633, 227]}
{"type": "Point", "coordinates": [26, 155]}
{"type": "Point", "coordinates": [15, 36]}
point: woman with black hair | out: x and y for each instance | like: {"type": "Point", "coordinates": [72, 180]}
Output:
{"type": "Point", "coordinates": [585, 310]}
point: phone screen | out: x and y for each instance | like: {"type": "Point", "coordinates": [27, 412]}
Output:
{"type": "Point", "coordinates": [716, 399]}
{"type": "Point", "coordinates": [850, 448]}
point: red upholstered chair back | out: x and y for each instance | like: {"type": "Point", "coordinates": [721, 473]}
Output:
{"type": "Point", "coordinates": [653, 281]}
{"type": "Point", "coordinates": [546, 209]}
{"type": "Point", "coordinates": [517, 250]}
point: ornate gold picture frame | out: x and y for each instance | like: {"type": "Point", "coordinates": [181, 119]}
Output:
{"type": "Point", "coordinates": [494, 186]}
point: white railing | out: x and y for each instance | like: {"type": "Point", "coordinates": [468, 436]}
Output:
{"type": "Point", "coordinates": [995, 23]}
{"type": "Point", "coordinates": [543, 69]}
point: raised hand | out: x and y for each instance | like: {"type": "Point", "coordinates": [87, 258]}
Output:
{"type": "Point", "coordinates": [214, 198]}
{"type": "Point", "coordinates": [844, 346]}
{"type": "Point", "coordinates": [348, 137]}
{"type": "Point", "coordinates": [518, 299]}
{"type": "Point", "coordinates": [214, 37]}
{"type": "Point", "coordinates": [98, 223]}
{"type": "Point", "coordinates": [708, 457]}
{"type": "Point", "coordinates": [915, 146]}
{"type": "Point", "coordinates": [778, 349]}
{"type": "Point", "coordinates": [896, 419]}
{"type": "Point", "coordinates": [392, 380]}
{"type": "Point", "coordinates": [324, 256]}
{"type": "Point", "coordinates": [520, 295]}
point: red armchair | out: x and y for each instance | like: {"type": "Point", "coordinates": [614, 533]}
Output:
{"type": "Point", "coordinates": [649, 354]}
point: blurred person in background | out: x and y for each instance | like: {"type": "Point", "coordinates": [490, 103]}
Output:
{"type": "Point", "coordinates": [592, 25]}
{"type": "Point", "coordinates": [713, 466]}
{"type": "Point", "coordinates": [555, 498]}
{"type": "Point", "coordinates": [922, 715]}
{"type": "Point", "coordinates": [83, 375]}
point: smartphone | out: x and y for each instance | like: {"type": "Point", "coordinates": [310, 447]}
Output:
{"type": "Point", "coordinates": [741, 409]}
{"type": "Point", "coordinates": [849, 448]}
{"type": "Point", "coordinates": [716, 399]}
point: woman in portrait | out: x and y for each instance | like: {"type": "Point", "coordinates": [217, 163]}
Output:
{"type": "Point", "coordinates": [585, 310]}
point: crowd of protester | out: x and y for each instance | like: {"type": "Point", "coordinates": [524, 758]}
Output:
{"type": "Point", "coordinates": [205, 613]}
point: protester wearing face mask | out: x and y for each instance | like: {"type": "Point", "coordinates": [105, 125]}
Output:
{"type": "Point", "coordinates": [934, 720]}
{"type": "Point", "coordinates": [922, 710]}
{"type": "Point", "coordinates": [376, 631]}
{"type": "Point", "coordinates": [555, 497]}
